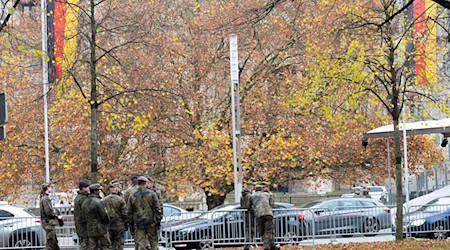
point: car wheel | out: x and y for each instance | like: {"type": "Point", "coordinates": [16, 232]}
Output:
{"type": "Point", "coordinates": [440, 232]}
{"type": "Point", "coordinates": [291, 238]}
{"type": "Point", "coordinates": [205, 243]}
{"type": "Point", "coordinates": [370, 227]}
{"type": "Point", "coordinates": [23, 241]}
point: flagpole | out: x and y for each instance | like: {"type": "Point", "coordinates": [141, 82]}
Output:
{"type": "Point", "coordinates": [45, 84]}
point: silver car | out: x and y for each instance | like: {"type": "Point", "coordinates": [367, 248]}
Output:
{"type": "Point", "coordinates": [19, 229]}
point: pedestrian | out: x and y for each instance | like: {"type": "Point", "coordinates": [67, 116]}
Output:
{"type": "Point", "coordinates": [133, 186]}
{"type": "Point", "coordinates": [154, 235]}
{"type": "Point", "coordinates": [365, 193]}
{"type": "Point", "coordinates": [249, 216]}
{"type": "Point", "coordinates": [97, 220]}
{"type": "Point", "coordinates": [144, 212]}
{"type": "Point", "coordinates": [49, 219]}
{"type": "Point", "coordinates": [80, 223]}
{"type": "Point", "coordinates": [117, 211]}
{"type": "Point", "coordinates": [126, 196]}
{"type": "Point", "coordinates": [262, 203]}
{"type": "Point", "coordinates": [114, 181]}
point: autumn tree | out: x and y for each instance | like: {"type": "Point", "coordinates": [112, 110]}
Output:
{"type": "Point", "coordinates": [381, 68]}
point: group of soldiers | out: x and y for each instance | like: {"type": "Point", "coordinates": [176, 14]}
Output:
{"type": "Point", "coordinates": [259, 202]}
{"type": "Point", "coordinates": [102, 223]}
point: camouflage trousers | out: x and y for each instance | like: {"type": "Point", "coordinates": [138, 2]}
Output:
{"type": "Point", "coordinates": [52, 241]}
{"type": "Point", "coordinates": [84, 243]}
{"type": "Point", "coordinates": [117, 238]}
{"type": "Point", "coordinates": [99, 243]}
{"type": "Point", "coordinates": [145, 238]}
{"type": "Point", "coordinates": [267, 231]}
{"type": "Point", "coordinates": [154, 238]}
{"type": "Point", "coordinates": [250, 225]}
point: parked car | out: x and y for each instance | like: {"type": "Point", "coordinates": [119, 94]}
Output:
{"type": "Point", "coordinates": [429, 221]}
{"type": "Point", "coordinates": [19, 229]}
{"type": "Point", "coordinates": [225, 224]}
{"type": "Point", "coordinates": [173, 213]}
{"type": "Point", "coordinates": [345, 216]}
{"type": "Point", "coordinates": [378, 193]}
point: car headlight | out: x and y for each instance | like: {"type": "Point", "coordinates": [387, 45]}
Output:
{"type": "Point", "coordinates": [417, 222]}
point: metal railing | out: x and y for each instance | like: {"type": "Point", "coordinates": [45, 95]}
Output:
{"type": "Point", "coordinates": [238, 227]}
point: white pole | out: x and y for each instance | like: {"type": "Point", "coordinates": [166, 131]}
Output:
{"type": "Point", "coordinates": [45, 84]}
{"type": "Point", "coordinates": [389, 168]}
{"type": "Point", "coordinates": [236, 132]}
{"type": "Point", "coordinates": [405, 152]}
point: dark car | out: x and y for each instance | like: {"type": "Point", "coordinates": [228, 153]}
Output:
{"type": "Point", "coordinates": [225, 224]}
{"type": "Point", "coordinates": [430, 221]}
{"type": "Point", "coordinates": [346, 216]}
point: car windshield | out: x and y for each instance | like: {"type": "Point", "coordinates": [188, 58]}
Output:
{"type": "Point", "coordinates": [312, 204]}
{"type": "Point", "coordinates": [375, 189]}
{"type": "Point", "coordinates": [217, 212]}
{"type": "Point", "coordinates": [437, 205]}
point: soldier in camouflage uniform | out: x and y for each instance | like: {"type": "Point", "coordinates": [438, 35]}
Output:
{"type": "Point", "coordinates": [246, 203]}
{"type": "Point", "coordinates": [154, 235]}
{"type": "Point", "coordinates": [126, 196]}
{"type": "Point", "coordinates": [262, 203]}
{"type": "Point", "coordinates": [131, 188]}
{"type": "Point", "coordinates": [144, 212]}
{"type": "Point", "coordinates": [49, 219]}
{"type": "Point", "coordinates": [94, 212]}
{"type": "Point", "coordinates": [117, 211]}
{"type": "Point", "coordinates": [80, 224]}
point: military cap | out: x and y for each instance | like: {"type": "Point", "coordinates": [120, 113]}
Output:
{"type": "Point", "coordinates": [46, 185]}
{"type": "Point", "coordinates": [115, 185]}
{"type": "Point", "coordinates": [258, 187]}
{"type": "Point", "coordinates": [95, 186]}
{"type": "Point", "coordinates": [116, 181]}
{"type": "Point", "coordinates": [142, 178]}
{"type": "Point", "coordinates": [83, 184]}
{"type": "Point", "coordinates": [134, 178]}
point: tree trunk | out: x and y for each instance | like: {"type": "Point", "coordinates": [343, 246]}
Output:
{"type": "Point", "coordinates": [398, 183]}
{"type": "Point", "coordinates": [213, 201]}
{"type": "Point", "coordinates": [93, 101]}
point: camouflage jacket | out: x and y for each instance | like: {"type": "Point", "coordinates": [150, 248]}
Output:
{"type": "Point", "coordinates": [246, 200]}
{"type": "Point", "coordinates": [128, 192]}
{"type": "Point", "coordinates": [48, 214]}
{"type": "Point", "coordinates": [262, 203]}
{"type": "Point", "coordinates": [144, 208]}
{"type": "Point", "coordinates": [159, 195]}
{"type": "Point", "coordinates": [95, 215]}
{"type": "Point", "coordinates": [80, 224]}
{"type": "Point", "coordinates": [117, 210]}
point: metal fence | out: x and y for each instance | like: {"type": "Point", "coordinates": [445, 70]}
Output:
{"type": "Point", "coordinates": [237, 227]}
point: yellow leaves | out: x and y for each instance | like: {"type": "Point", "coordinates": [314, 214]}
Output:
{"type": "Point", "coordinates": [175, 39]}
{"type": "Point", "coordinates": [22, 49]}
{"type": "Point", "coordinates": [327, 112]}
{"type": "Point", "coordinates": [196, 5]}
{"type": "Point", "coordinates": [189, 112]}
{"type": "Point", "coordinates": [11, 10]}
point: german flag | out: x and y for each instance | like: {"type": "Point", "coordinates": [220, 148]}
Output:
{"type": "Point", "coordinates": [62, 25]}
{"type": "Point", "coordinates": [425, 41]}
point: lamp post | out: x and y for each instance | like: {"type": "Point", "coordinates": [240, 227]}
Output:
{"type": "Point", "coordinates": [45, 84]}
